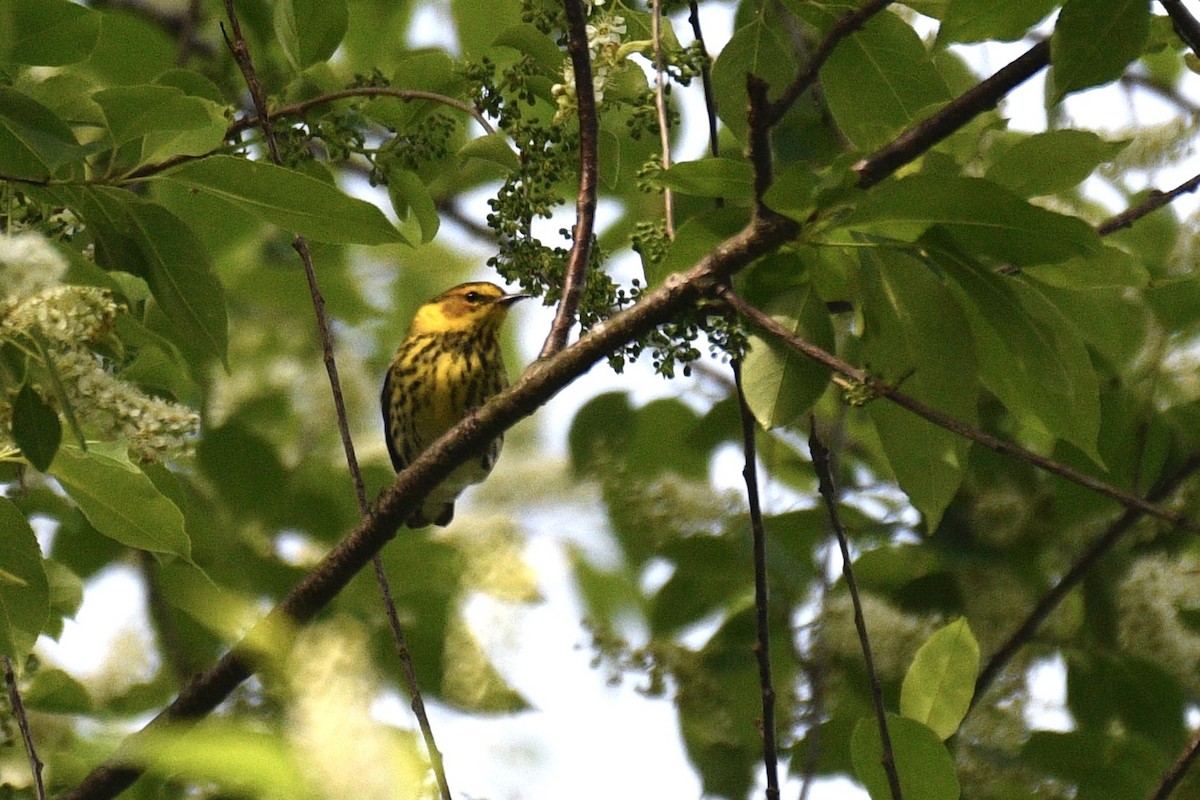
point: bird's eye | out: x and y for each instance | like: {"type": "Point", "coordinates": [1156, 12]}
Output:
{"type": "Point", "coordinates": [472, 297]}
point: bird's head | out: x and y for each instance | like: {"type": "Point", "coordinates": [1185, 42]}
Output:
{"type": "Point", "coordinates": [477, 306]}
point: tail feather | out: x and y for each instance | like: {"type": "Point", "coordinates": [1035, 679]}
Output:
{"type": "Point", "coordinates": [424, 516]}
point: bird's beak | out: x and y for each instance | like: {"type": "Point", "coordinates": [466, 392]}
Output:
{"type": "Point", "coordinates": [509, 299]}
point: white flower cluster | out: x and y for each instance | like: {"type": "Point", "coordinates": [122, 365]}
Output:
{"type": "Point", "coordinates": [604, 34]}
{"type": "Point", "coordinates": [69, 318]}
{"type": "Point", "coordinates": [895, 635]}
{"type": "Point", "coordinates": [1149, 601]}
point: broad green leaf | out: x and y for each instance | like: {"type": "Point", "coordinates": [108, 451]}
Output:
{"type": "Point", "coordinates": [1094, 40]}
{"type": "Point", "coordinates": [47, 33]}
{"type": "Point", "coordinates": [939, 685]}
{"type": "Point", "coordinates": [880, 81]}
{"type": "Point", "coordinates": [914, 332]}
{"type": "Point", "coordinates": [284, 197]}
{"type": "Point", "coordinates": [476, 22]}
{"type": "Point", "coordinates": [121, 502]}
{"type": "Point", "coordinates": [983, 217]}
{"type": "Point", "coordinates": [781, 384]}
{"type": "Point", "coordinates": [710, 177]}
{"type": "Point", "coordinates": [408, 193]}
{"type": "Point", "coordinates": [179, 274]}
{"type": "Point", "coordinates": [925, 768]}
{"type": "Point", "coordinates": [310, 30]}
{"type": "Point", "coordinates": [528, 40]}
{"type": "Point", "coordinates": [35, 428]}
{"type": "Point", "coordinates": [1101, 765]}
{"type": "Point", "coordinates": [1108, 267]}
{"type": "Point", "coordinates": [600, 432]}
{"type": "Point", "coordinates": [493, 147]}
{"type": "Point", "coordinates": [1051, 162]}
{"type": "Point", "coordinates": [1030, 356]}
{"type": "Point", "coordinates": [708, 575]}
{"type": "Point", "coordinates": [757, 48]}
{"type": "Point", "coordinates": [794, 192]}
{"type": "Point", "coordinates": [984, 20]}
{"type": "Point", "coordinates": [34, 142]}
{"type": "Point", "coordinates": [134, 111]}
{"type": "Point", "coordinates": [695, 238]}
{"type": "Point", "coordinates": [56, 692]}
{"type": "Point", "coordinates": [24, 593]}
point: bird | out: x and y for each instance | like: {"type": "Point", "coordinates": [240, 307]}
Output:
{"type": "Point", "coordinates": [448, 364]}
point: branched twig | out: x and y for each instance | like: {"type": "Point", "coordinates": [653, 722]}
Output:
{"type": "Point", "coordinates": [837, 32]}
{"type": "Point", "coordinates": [765, 233]}
{"type": "Point", "coordinates": [1174, 775]}
{"type": "Point", "coordinates": [18, 709]}
{"type": "Point", "coordinates": [660, 108]}
{"type": "Point", "coordinates": [1154, 201]}
{"type": "Point", "coordinates": [942, 420]}
{"type": "Point", "coordinates": [982, 97]}
{"type": "Point", "coordinates": [829, 495]}
{"type": "Point", "coordinates": [762, 647]}
{"type": "Point", "coordinates": [1184, 23]}
{"type": "Point", "coordinates": [589, 170]}
{"type": "Point", "coordinates": [1078, 571]}
{"type": "Point", "coordinates": [241, 54]}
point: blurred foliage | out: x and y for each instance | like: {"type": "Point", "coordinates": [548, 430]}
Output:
{"type": "Point", "coordinates": [147, 271]}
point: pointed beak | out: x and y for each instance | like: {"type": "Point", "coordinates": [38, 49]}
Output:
{"type": "Point", "coordinates": [509, 299]}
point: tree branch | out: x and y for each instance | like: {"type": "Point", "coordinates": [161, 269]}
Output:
{"type": "Point", "coordinates": [758, 535]}
{"type": "Point", "coordinates": [18, 710]}
{"type": "Point", "coordinates": [710, 97]}
{"type": "Point", "coordinates": [241, 53]}
{"type": "Point", "coordinates": [1154, 201]}
{"type": "Point", "coordinates": [585, 201]}
{"type": "Point", "coordinates": [942, 420]}
{"type": "Point", "coordinates": [1174, 775]}
{"type": "Point", "coordinates": [1184, 23]}
{"type": "Point", "coordinates": [982, 97]}
{"type": "Point", "coordinates": [660, 109]}
{"type": "Point", "coordinates": [542, 380]}
{"type": "Point", "coordinates": [829, 495]}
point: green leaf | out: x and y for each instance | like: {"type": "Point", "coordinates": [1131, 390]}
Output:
{"type": "Point", "coordinates": [56, 692]}
{"type": "Point", "coordinates": [983, 217]}
{"type": "Point", "coordinates": [1094, 40]}
{"type": "Point", "coordinates": [35, 428]}
{"type": "Point", "coordinates": [794, 192]}
{"type": "Point", "coordinates": [913, 331]}
{"type": "Point", "coordinates": [310, 30]}
{"type": "Point", "coordinates": [880, 81]}
{"type": "Point", "coordinates": [695, 239]}
{"type": "Point", "coordinates": [34, 142]}
{"type": "Point", "coordinates": [1108, 267]}
{"type": "Point", "coordinates": [939, 685]}
{"type": "Point", "coordinates": [47, 33]}
{"type": "Point", "coordinates": [600, 432]}
{"type": "Point", "coordinates": [528, 40]}
{"type": "Point", "coordinates": [121, 502]}
{"type": "Point", "coordinates": [757, 48]}
{"type": "Point", "coordinates": [1051, 162]}
{"type": "Point", "coordinates": [134, 111]}
{"type": "Point", "coordinates": [1030, 356]}
{"type": "Point", "coordinates": [24, 593]}
{"type": "Point", "coordinates": [408, 193]}
{"type": "Point", "coordinates": [781, 384]}
{"type": "Point", "coordinates": [710, 177]}
{"type": "Point", "coordinates": [984, 20]}
{"type": "Point", "coordinates": [925, 768]}
{"type": "Point", "coordinates": [493, 148]}
{"type": "Point", "coordinates": [284, 197]}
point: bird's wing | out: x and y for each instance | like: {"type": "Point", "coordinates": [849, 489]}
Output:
{"type": "Point", "coordinates": [385, 403]}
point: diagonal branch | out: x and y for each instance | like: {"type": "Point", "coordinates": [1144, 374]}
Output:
{"type": "Point", "coordinates": [883, 389]}
{"type": "Point", "coordinates": [1184, 23]}
{"type": "Point", "coordinates": [589, 172]}
{"type": "Point", "coordinates": [1154, 201]}
{"type": "Point", "coordinates": [18, 710]}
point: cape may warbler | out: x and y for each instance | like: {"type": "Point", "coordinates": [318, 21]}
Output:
{"type": "Point", "coordinates": [448, 364]}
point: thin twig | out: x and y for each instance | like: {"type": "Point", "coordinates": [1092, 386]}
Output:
{"type": "Point", "coordinates": [1184, 23]}
{"type": "Point", "coordinates": [829, 495]}
{"type": "Point", "coordinates": [982, 97]}
{"type": "Point", "coordinates": [1154, 201]}
{"type": "Point", "coordinates": [710, 95]}
{"type": "Point", "coordinates": [660, 107]}
{"type": "Point", "coordinates": [840, 29]}
{"type": "Point", "coordinates": [589, 172]}
{"type": "Point", "coordinates": [1078, 571]}
{"type": "Point", "coordinates": [1173, 776]}
{"type": "Point", "coordinates": [241, 53]}
{"type": "Point", "coordinates": [883, 389]}
{"type": "Point", "coordinates": [18, 709]}
{"type": "Point", "coordinates": [758, 534]}
{"type": "Point", "coordinates": [764, 234]}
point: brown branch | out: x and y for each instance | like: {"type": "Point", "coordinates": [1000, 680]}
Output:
{"type": "Point", "coordinates": [758, 535]}
{"type": "Point", "coordinates": [542, 380]}
{"type": "Point", "coordinates": [241, 53]}
{"type": "Point", "coordinates": [1074, 576]}
{"type": "Point", "coordinates": [660, 108]}
{"type": "Point", "coordinates": [984, 96]}
{"type": "Point", "coordinates": [883, 389]}
{"type": "Point", "coordinates": [1185, 24]}
{"type": "Point", "coordinates": [589, 171]}
{"type": "Point", "coordinates": [1173, 776]}
{"type": "Point", "coordinates": [840, 29]}
{"type": "Point", "coordinates": [1154, 201]}
{"type": "Point", "coordinates": [829, 495]}
{"type": "Point", "coordinates": [710, 96]}
{"type": "Point", "coordinates": [18, 710]}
